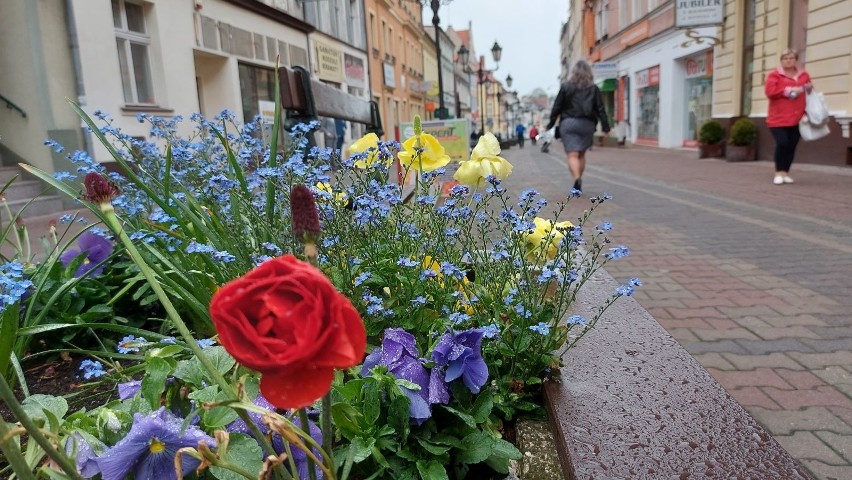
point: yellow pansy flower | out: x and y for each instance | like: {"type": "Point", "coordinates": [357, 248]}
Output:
{"type": "Point", "coordinates": [368, 141]}
{"type": "Point", "coordinates": [484, 161]}
{"type": "Point", "coordinates": [432, 158]}
{"type": "Point", "coordinates": [542, 243]}
{"type": "Point", "coordinates": [339, 197]}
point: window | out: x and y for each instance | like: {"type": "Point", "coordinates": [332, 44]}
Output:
{"type": "Point", "coordinates": [622, 14]}
{"type": "Point", "coordinates": [256, 83]}
{"type": "Point", "coordinates": [652, 4]}
{"type": "Point", "coordinates": [637, 10]}
{"type": "Point", "coordinates": [133, 44]}
{"type": "Point", "coordinates": [373, 36]}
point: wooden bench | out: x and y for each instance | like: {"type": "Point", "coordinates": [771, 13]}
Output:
{"type": "Point", "coordinates": [304, 99]}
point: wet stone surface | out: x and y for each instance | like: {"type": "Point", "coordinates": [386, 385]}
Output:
{"type": "Point", "coordinates": [632, 403]}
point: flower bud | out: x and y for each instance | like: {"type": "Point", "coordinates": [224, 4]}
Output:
{"type": "Point", "coordinates": [305, 217]}
{"type": "Point", "coordinates": [99, 189]}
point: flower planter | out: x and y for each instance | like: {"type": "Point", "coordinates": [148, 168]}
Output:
{"type": "Point", "coordinates": [711, 150]}
{"type": "Point", "coordinates": [740, 153]}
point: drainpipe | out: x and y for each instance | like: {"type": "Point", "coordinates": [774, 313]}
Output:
{"type": "Point", "coordinates": [80, 88]}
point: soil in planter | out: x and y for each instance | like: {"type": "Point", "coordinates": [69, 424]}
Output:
{"type": "Point", "coordinates": [59, 377]}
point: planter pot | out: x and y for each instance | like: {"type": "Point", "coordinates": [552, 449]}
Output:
{"type": "Point", "coordinates": [740, 153]}
{"type": "Point", "coordinates": [711, 150]}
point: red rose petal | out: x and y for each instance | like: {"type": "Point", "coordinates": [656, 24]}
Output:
{"type": "Point", "coordinates": [298, 388]}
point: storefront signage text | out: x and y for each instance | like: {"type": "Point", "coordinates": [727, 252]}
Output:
{"type": "Point", "coordinates": [648, 78]}
{"type": "Point", "coordinates": [694, 13]}
{"type": "Point", "coordinates": [353, 68]}
{"type": "Point", "coordinates": [605, 70]}
{"type": "Point", "coordinates": [700, 65]}
{"type": "Point", "coordinates": [390, 79]}
{"type": "Point", "coordinates": [329, 64]}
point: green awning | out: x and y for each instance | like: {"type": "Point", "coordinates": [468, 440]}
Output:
{"type": "Point", "coordinates": [607, 85]}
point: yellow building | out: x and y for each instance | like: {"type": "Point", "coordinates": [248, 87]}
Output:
{"type": "Point", "coordinates": [754, 34]}
{"type": "Point", "coordinates": [396, 61]}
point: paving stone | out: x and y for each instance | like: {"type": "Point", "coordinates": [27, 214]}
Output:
{"type": "Point", "coordinates": [842, 444]}
{"type": "Point", "coordinates": [753, 397]}
{"type": "Point", "coordinates": [771, 360]}
{"type": "Point", "coordinates": [800, 380]}
{"type": "Point", "coordinates": [714, 360]}
{"type": "Point", "coordinates": [821, 360]}
{"type": "Point", "coordinates": [833, 332]}
{"type": "Point", "coordinates": [721, 346]}
{"type": "Point", "coordinates": [760, 377]}
{"type": "Point", "coordinates": [823, 471]}
{"type": "Point", "coordinates": [842, 413]}
{"type": "Point", "coordinates": [682, 334]}
{"type": "Point", "coordinates": [688, 313]}
{"type": "Point", "coordinates": [816, 397]}
{"type": "Point", "coordinates": [785, 422]}
{"type": "Point", "coordinates": [807, 446]}
{"type": "Point", "coordinates": [756, 311]}
{"type": "Point", "coordinates": [722, 323]}
{"type": "Point", "coordinates": [769, 346]}
{"type": "Point", "coordinates": [709, 335]}
{"type": "Point", "coordinates": [793, 320]}
{"type": "Point", "coordinates": [752, 322]}
{"type": "Point", "coordinates": [834, 375]}
{"type": "Point", "coordinates": [774, 333]}
{"type": "Point", "coordinates": [832, 345]}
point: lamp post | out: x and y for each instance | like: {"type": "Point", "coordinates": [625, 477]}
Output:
{"type": "Point", "coordinates": [481, 72]}
{"type": "Point", "coordinates": [441, 112]}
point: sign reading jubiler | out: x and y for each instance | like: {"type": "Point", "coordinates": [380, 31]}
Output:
{"type": "Point", "coordinates": [695, 13]}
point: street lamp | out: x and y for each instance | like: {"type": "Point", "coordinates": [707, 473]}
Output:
{"type": "Point", "coordinates": [442, 112]}
{"type": "Point", "coordinates": [481, 72]}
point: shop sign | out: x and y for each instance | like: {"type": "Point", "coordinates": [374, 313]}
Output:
{"type": "Point", "coordinates": [454, 136]}
{"type": "Point", "coordinates": [634, 35]}
{"type": "Point", "coordinates": [648, 78]}
{"type": "Point", "coordinates": [390, 79]}
{"type": "Point", "coordinates": [353, 69]}
{"type": "Point", "coordinates": [329, 63]}
{"type": "Point", "coordinates": [266, 110]}
{"type": "Point", "coordinates": [694, 13]}
{"type": "Point", "coordinates": [700, 65]}
{"type": "Point", "coordinates": [605, 70]}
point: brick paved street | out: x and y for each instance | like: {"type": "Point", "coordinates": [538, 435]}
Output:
{"type": "Point", "coordinates": [753, 279]}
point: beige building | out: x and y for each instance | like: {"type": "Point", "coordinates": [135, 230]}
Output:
{"type": "Point", "coordinates": [752, 38]}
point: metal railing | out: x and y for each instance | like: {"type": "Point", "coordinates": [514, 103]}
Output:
{"type": "Point", "coordinates": [11, 104]}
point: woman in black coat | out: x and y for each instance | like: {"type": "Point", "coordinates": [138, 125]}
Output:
{"type": "Point", "coordinates": [578, 107]}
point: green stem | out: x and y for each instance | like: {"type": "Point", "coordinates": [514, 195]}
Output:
{"type": "Point", "coordinates": [13, 455]}
{"type": "Point", "coordinates": [34, 432]}
{"type": "Point", "coordinates": [113, 223]}
{"type": "Point", "coordinates": [327, 434]}
{"type": "Point", "coordinates": [303, 418]}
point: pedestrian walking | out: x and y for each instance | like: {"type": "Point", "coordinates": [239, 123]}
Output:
{"type": "Point", "coordinates": [533, 134]}
{"type": "Point", "coordinates": [520, 129]}
{"type": "Point", "coordinates": [786, 87]}
{"type": "Point", "coordinates": [340, 131]}
{"type": "Point", "coordinates": [579, 107]}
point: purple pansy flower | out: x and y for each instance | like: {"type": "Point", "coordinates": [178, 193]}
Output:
{"type": "Point", "coordinates": [96, 248]}
{"type": "Point", "coordinates": [85, 457]}
{"type": "Point", "coordinates": [150, 447]}
{"type": "Point", "coordinates": [299, 456]}
{"type": "Point", "coordinates": [399, 353]}
{"type": "Point", "coordinates": [128, 389]}
{"type": "Point", "coordinates": [461, 354]}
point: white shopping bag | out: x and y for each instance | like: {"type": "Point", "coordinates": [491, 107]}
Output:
{"type": "Point", "coordinates": [815, 109]}
{"type": "Point", "coordinates": [809, 131]}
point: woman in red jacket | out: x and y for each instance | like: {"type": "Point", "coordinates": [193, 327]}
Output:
{"type": "Point", "coordinates": [786, 87]}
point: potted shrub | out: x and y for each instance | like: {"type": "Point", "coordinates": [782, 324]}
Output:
{"type": "Point", "coordinates": [741, 141]}
{"type": "Point", "coordinates": [710, 136]}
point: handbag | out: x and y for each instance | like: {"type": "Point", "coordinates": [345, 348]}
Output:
{"type": "Point", "coordinates": [815, 108]}
{"type": "Point", "coordinates": [810, 132]}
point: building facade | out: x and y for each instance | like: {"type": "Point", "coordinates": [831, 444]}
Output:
{"type": "Point", "coordinates": [754, 34]}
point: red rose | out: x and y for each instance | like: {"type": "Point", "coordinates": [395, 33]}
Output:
{"type": "Point", "coordinates": [286, 320]}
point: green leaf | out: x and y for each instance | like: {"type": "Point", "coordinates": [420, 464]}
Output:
{"type": "Point", "coordinates": [154, 381]}
{"type": "Point", "coordinates": [432, 470]}
{"type": "Point", "coordinates": [476, 447]}
{"type": "Point", "coordinates": [361, 448]}
{"type": "Point", "coordinates": [398, 416]}
{"type": "Point", "coordinates": [409, 385]}
{"type": "Point", "coordinates": [499, 464]}
{"type": "Point", "coordinates": [165, 352]}
{"type": "Point", "coordinates": [467, 419]}
{"type": "Point", "coordinates": [372, 403]}
{"type": "Point", "coordinates": [347, 419]}
{"type": "Point", "coordinates": [37, 405]}
{"type": "Point", "coordinates": [190, 372]}
{"type": "Point", "coordinates": [220, 358]}
{"type": "Point", "coordinates": [504, 449]}
{"type": "Point", "coordinates": [482, 406]}
{"type": "Point", "coordinates": [243, 452]}
{"type": "Point", "coordinates": [432, 448]}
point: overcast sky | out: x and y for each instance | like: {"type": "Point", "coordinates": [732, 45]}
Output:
{"type": "Point", "coordinates": [528, 31]}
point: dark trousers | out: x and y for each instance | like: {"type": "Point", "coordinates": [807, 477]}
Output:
{"type": "Point", "coordinates": [786, 139]}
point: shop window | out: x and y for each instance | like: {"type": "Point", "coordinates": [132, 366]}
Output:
{"type": "Point", "coordinates": [134, 45]}
{"type": "Point", "coordinates": [648, 96]}
{"type": "Point", "coordinates": [256, 84]}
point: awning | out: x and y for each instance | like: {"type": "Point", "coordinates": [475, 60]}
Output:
{"type": "Point", "coordinates": [607, 85]}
